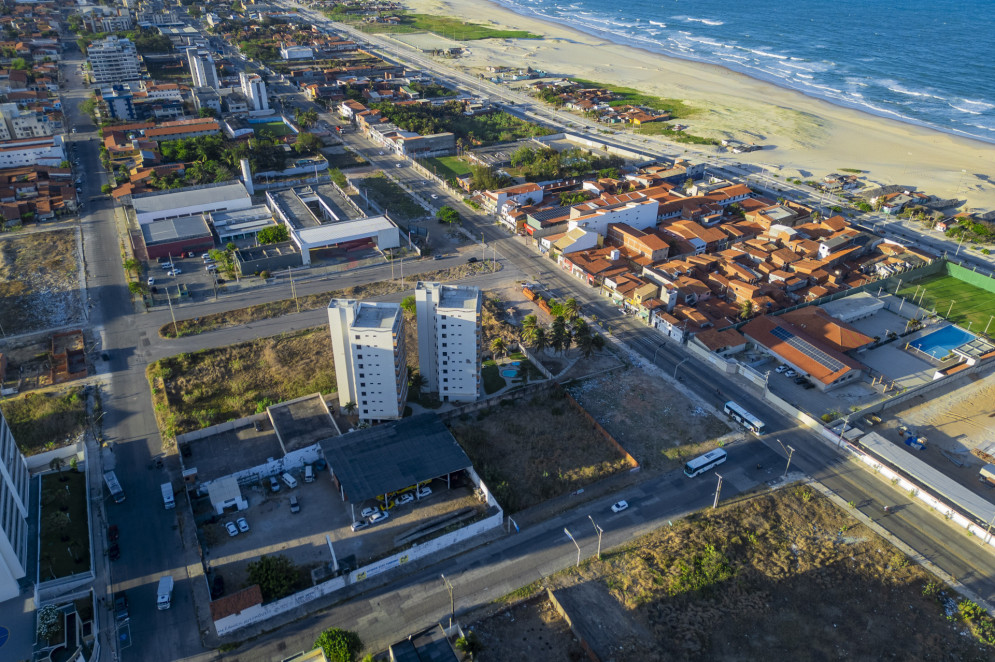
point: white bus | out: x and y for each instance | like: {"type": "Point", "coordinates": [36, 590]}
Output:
{"type": "Point", "coordinates": [744, 418]}
{"type": "Point", "coordinates": [706, 462]}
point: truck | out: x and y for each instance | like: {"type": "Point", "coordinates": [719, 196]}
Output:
{"type": "Point", "coordinates": [167, 496]}
{"type": "Point", "coordinates": [113, 486]}
{"type": "Point", "coordinates": [164, 596]}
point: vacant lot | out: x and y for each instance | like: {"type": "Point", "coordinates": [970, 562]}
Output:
{"type": "Point", "coordinates": [41, 421]}
{"type": "Point", "coordinates": [447, 167]}
{"type": "Point", "coordinates": [192, 391]}
{"type": "Point", "coordinates": [39, 281]}
{"type": "Point", "coordinates": [190, 327]}
{"type": "Point", "coordinates": [967, 304]}
{"type": "Point", "coordinates": [534, 448]}
{"type": "Point", "coordinates": [65, 543]}
{"type": "Point", "coordinates": [785, 576]}
{"type": "Point", "coordinates": [387, 195]}
{"type": "Point", "coordinates": [531, 630]}
{"type": "Point", "coordinates": [652, 420]}
{"type": "Point", "coordinates": [443, 25]}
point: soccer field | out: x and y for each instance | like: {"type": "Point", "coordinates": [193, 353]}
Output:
{"type": "Point", "coordinates": [971, 305]}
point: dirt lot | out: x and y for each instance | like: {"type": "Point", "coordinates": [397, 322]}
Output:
{"type": "Point", "coordinates": [44, 420]}
{"type": "Point", "coordinates": [953, 423]}
{"type": "Point", "coordinates": [534, 448]}
{"type": "Point", "coordinates": [531, 630]}
{"type": "Point", "coordinates": [738, 584]}
{"type": "Point", "coordinates": [656, 423]}
{"type": "Point", "coordinates": [190, 327]}
{"type": "Point", "coordinates": [39, 281]}
{"type": "Point", "coordinates": [192, 391]}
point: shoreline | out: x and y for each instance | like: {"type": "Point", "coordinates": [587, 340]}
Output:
{"type": "Point", "coordinates": [808, 136]}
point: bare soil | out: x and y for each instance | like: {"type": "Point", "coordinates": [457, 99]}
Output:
{"type": "Point", "coordinates": [535, 447]}
{"type": "Point", "coordinates": [192, 391]}
{"type": "Point", "coordinates": [655, 422]}
{"type": "Point", "coordinates": [531, 630]}
{"type": "Point", "coordinates": [39, 281]}
{"type": "Point", "coordinates": [783, 576]}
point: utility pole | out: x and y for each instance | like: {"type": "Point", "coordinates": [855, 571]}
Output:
{"type": "Point", "coordinates": [599, 531]}
{"type": "Point", "coordinates": [176, 332]}
{"type": "Point", "coordinates": [452, 601]}
{"type": "Point", "coordinates": [293, 290]}
{"type": "Point", "coordinates": [676, 366]}
{"type": "Point", "coordinates": [790, 451]}
{"type": "Point", "coordinates": [570, 535]}
{"type": "Point", "coordinates": [718, 491]}
{"type": "Point", "coordinates": [950, 309]}
{"type": "Point", "coordinates": [483, 248]}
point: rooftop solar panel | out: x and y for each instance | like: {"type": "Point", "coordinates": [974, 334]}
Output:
{"type": "Point", "coordinates": [808, 349]}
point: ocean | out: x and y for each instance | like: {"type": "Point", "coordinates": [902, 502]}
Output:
{"type": "Point", "coordinates": [928, 62]}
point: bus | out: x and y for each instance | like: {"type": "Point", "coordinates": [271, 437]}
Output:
{"type": "Point", "coordinates": [706, 462]}
{"type": "Point", "coordinates": [744, 418]}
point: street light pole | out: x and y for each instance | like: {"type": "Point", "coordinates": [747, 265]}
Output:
{"type": "Point", "coordinates": [574, 541]}
{"type": "Point", "coordinates": [791, 452]}
{"type": "Point", "coordinates": [452, 601]}
{"type": "Point", "coordinates": [662, 345]}
{"type": "Point", "coordinates": [599, 530]}
{"type": "Point", "coordinates": [679, 365]}
{"type": "Point", "coordinates": [718, 491]}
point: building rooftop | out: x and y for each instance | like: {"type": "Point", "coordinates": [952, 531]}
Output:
{"type": "Point", "coordinates": [175, 229]}
{"type": "Point", "coordinates": [459, 296]}
{"type": "Point", "coordinates": [241, 221]}
{"type": "Point", "coordinates": [391, 456]}
{"type": "Point", "coordinates": [376, 315]}
{"type": "Point", "coordinates": [301, 422]}
{"type": "Point", "coordinates": [187, 197]}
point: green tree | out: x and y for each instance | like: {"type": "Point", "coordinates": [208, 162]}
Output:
{"type": "Point", "coordinates": [306, 118]}
{"type": "Point", "coordinates": [19, 63]}
{"type": "Point", "coordinates": [540, 339]}
{"type": "Point", "coordinates": [207, 112]}
{"type": "Point", "coordinates": [48, 621]}
{"type": "Point", "coordinates": [307, 143]}
{"type": "Point", "coordinates": [106, 189]}
{"type": "Point", "coordinates": [746, 309]}
{"type": "Point", "coordinates": [584, 339]}
{"type": "Point", "coordinates": [498, 346]}
{"type": "Point", "coordinates": [416, 380]}
{"type": "Point", "coordinates": [408, 304]}
{"type": "Point", "coordinates": [349, 408]}
{"type": "Point", "coordinates": [273, 234]}
{"type": "Point", "coordinates": [136, 288]}
{"type": "Point", "coordinates": [276, 576]}
{"type": "Point", "coordinates": [131, 265]}
{"type": "Point", "coordinates": [571, 309]}
{"type": "Point", "coordinates": [339, 645]}
{"type": "Point", "coordinates": [65, 164]}
{"type": "Point", "coordinates": [447, 214]}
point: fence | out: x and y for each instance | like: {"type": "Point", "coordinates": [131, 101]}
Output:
{"type": "Point", "coordinates": [44, 460]}
{"type": "Point", "coordinates": [971, 277]}
{"type": "Point", "coordinates": [601, 430]}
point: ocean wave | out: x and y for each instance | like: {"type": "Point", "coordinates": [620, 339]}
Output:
{"type": "Point", "coordinates": [658, 23]}
{"type": "Point", "coordinates": [980, 105]}
{"type": "Point", "coordinates": [964, 110]}
{"type": "Point", "coordinates": [766, 53]}
{"type": "Point", "coordinates": [800, 75]}
{"type": "Point", "coordinates": [706, 21]}
{"type": "Point", "coordinates": [897, 87]}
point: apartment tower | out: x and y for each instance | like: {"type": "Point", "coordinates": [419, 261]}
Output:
{"type": "Point", "coordinates": [13, 514]}
{"type": "Point", "coordinates": [449, 340]}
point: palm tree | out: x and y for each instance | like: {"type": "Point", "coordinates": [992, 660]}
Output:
{"type": "Point", "coordinates": [349, 408]}
{"type": "Point", "coordinates": [579, 326]}
{"type": "Point", "coordinates": [540, 339]}
{"type": "Point", "coordinates": [416, 380]}
{"type": "Point", "coordinates": [585, 342]}
{"type": "Point", "coordinates": [571, 309]}
{"type": "Point", "coordinates": [498, 346]}
{"type": "Point", "coordinates": [558, 335]}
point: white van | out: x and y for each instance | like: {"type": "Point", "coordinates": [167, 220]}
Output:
{"type": "Point", "coordinates": [309, 474]}
{"type": "Point", "coordinates": [167, 496]}
{"type": "Point", "coordinates": [290, 481]}
{"type": "Point", "coordinates": [164, 594]}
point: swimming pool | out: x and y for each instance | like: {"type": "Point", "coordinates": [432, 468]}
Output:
{"type": "Point", "coordinates": [509, 373]}
{"type": "Point", "coordinates": [939, 343]}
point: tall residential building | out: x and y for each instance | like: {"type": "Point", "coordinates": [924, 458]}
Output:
{"type": "Point", "coordinates": [202, 68]}
{"type": "Point", "coordinates": [114, 60]}
{"type": "Point", "coordinates": [254, 90]}
{"type": "Point", "coordinates": [13, 514]}
{"type": "Point", "coordinates": [368, 348]}
{"type": "Point", "coordinates": [449, 340]}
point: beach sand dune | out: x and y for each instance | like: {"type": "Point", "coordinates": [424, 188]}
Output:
{"type": "Point", "coordinates": [807, 134]}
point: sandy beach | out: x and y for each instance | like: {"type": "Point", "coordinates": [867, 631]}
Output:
{"type": "Point", "coordinates": [807, 137]}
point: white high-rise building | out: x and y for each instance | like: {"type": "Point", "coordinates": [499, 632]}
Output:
{"type": "Point", "coordinates": [13, 514]}
{"type": "Point", "coordinates": [254, 89]}
{"type": "Point", "coordinates": [449, 340]}
{"type": "Point", "coordinates": [368, 348]}
{"type": "Point", "coordinates": [202, 68]}
{"type": "Point", "coordinates": [114, 60]}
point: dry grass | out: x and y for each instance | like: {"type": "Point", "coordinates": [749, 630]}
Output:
{"type": "Point", "coordinates": [655, 422]}
{"type": "Point", "coordinates": [534, 448]}
{"type": "Point", "coordinates": [782, 576]}
{"type": "Point", "coordinates": [190, 327]}
{"type": "Point", "coordinates": [191, 391]}
{"type": "Point", "coordinates": [44, 420]}
{"type": "Point", "coordinates": [39, 281]}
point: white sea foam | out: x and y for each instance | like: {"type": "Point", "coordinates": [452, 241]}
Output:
{"type": "Point", "coordinates": [706, 21]}
{"type": "Point", "coordinates": [897, 87]}
{"type": "Point", "coordinates": [658, 23]}
{"type": "Point", "coordinates": [767, 53]}
{"type": "Point", "coordinates": [964, 110]}
{"type": "Point", "coordinates": [804, 76]}
{"type": "Point", "coordinates": [979, 105]}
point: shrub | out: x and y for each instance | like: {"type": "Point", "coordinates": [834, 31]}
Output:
{"type": "Point", "coordinates": [339, 645]}
{"type": "Point", "coordinates": [264, 274]}
{"type": "Point", "coordinates": [48, 621]}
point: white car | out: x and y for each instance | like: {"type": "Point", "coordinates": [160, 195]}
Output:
{"type": "Point", "coordinates": [790, 373]}
{"type": "Point", "coordinates": [397, 165]}
{"type": "Point", "coordinates": [379, 516]}
{"type": "Point", "coordinates": [369, 512]}
{"type": "Point", "coordinates": [435, 197]}
{"type": "Point", "coordinates": [424, 492]}
{"type": "Point", "coordinates": [781, 368]}
{"type": "Point", "coordinates": [232, 530]}
{"type": "Point", "coordinates": [175, 271]}
{"type": "Point", "coordinates": [405, 498]}
{"type": "Point", "coordinates": [361, 524]}
{"type": "Point", "coordinates": [151, 281]}
{"type": "Point", "coordinates": [619, 506]}
{"type": "Point", "coordinates": [243, 524]}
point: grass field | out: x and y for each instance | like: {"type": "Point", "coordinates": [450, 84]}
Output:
{"type": "Point", "coordinates": [271, 130]}
{"type": "Point", "coordinates": [388, 195]}
{"type": "Point", "coordinates": [442, 26]}
{"type": "Point", "coordinates": [971, 305]}
{"type": "Point", "coordinates": [447, 167]}
{"type": "Point", "coordinates": [64, 540]}
{"type": "Point", "coordinates": [42, 421]}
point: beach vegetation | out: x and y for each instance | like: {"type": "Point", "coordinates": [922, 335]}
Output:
{"type": "Point", "coordinates": [444, 26]}
{"type": "Point", "coordinates": [473, 130]}
{"type": "Point", "coordinates": [664, 129]}
{"type": "Point", "coordinates": [538, 164]}
{"type": "Point", "coordinates": [626, 96]}
{"type": "Point", "coordinates": [853, 171]}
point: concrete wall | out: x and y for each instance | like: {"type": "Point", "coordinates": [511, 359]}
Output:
{"type": "Point", "coordinates": [42, 460]}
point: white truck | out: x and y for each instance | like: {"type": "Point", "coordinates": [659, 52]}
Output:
{"type": "Point", "coordinates": [113, 486]}
{"type": "Point", "coordinates": [167, 496]}
{"type": "Point", "coordinates": [165, 593]}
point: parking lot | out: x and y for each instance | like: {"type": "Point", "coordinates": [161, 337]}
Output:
{"type": "Point", "coordinates": [301, 536]}
{"type": "Point", "coordinates": [188, 271]}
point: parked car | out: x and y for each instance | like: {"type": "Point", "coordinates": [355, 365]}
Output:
{"type": "Point", "coordinates": [471, 260]}
{"type": "Point", "coordinates": [437, 257]}
{"type": "Point", "coordinates": [368, 512]}
{"type": "Point", "coordinates": [781, 368]}
{"type": "Point", "coordinates": [361, 524]}
{"type": "Point", "coordinates": [121, 606]}
{"type": "Point", "coordinates": [435, 197]}
{"type": "Point", "coordinates": [790, 373]}
{"type": "Point", "coordinates": [114, 552]}
{"type": "Point", "coordinates": [274, 484]}
{"type": "Point", "coordinates": [176, 271]}
{"type": "Point", "coordinates": [405, 498]}
{"type": "Point", "coordinates": [424, 492]}
{"type": "Point", "coordinates": [295, 506]}
{"type": "Point", "coordinates": [799, 380]}
{"type": "Point", "coordinates": [379, 516]}
{"type": "Point", "coordinates": [211, 268]}
{"type": "Point", "coordinates": [112, 533]}
{"type": "Point", "coordinates": [151, 281]}
{"type": "Point", "coordinates": [619, 506]}
{"type": "Point", "coordinates": [243, 524]}
{"type": "Point", "coordinates": [232, 529]}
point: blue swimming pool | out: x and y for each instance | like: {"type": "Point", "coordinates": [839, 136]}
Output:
{"type": "Point", "coordinates": [939, 343]}
{"type": "Point", "coordinates": [508, 372]}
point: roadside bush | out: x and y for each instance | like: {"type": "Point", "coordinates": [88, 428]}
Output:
{"type": "Point", "coordinates": [264, 274]}
{"type": "Point", "coordinates": [339, 645]}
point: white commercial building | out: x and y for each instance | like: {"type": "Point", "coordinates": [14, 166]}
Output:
{"type": "Point", "coordinates": [202, 68]}
{"type": "Point", "coordinates": [114, 60]}
{"type": "Point", "coordinates": [177, 203]}
{"type": "Point", "coordinates": [449, 340]}
{"type": "Point", "coordinates": [45, 151]}
{"type": "Point", "coordinates": [633, 209]}
{"type": "Point", "coordinates": [254, 89]}
{"type": "Point", "coordinates": [13, 514]}
{"type": "Point", "coordinates": [368, 349]}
